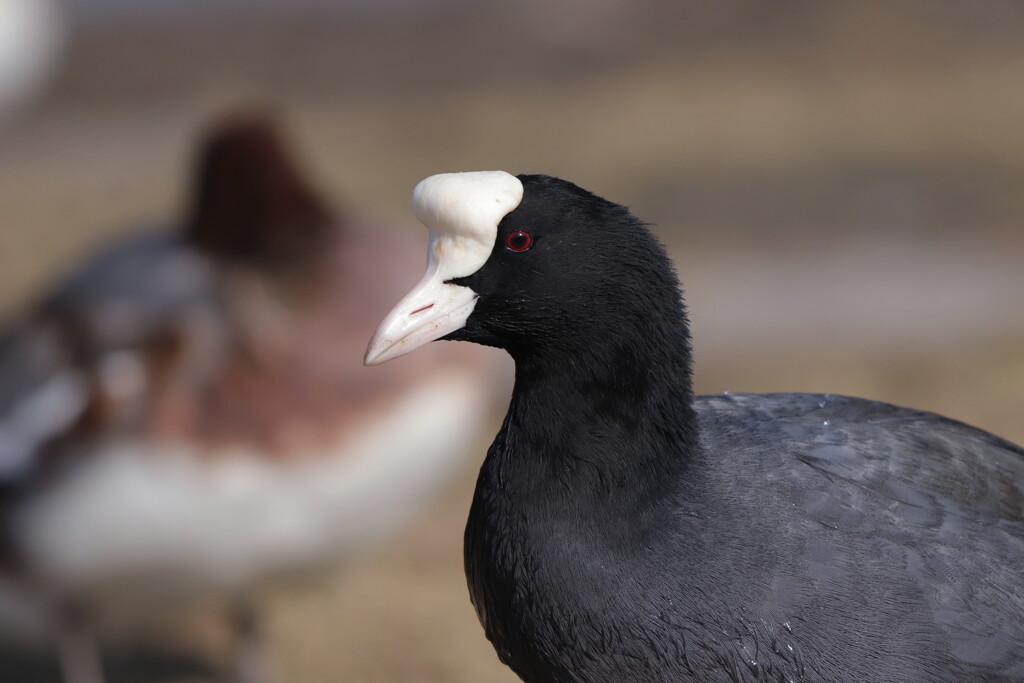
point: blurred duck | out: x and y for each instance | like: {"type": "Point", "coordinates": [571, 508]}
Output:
{"type": "Point", "coordinates": [30, 37]}
{"type": "Point", "coordinates": [187, 412]}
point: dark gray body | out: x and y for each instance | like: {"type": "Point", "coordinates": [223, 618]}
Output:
{"type": "Point", "coordinates": [887, 533]}
{"type": "Point", "coordinates": [814, 538]}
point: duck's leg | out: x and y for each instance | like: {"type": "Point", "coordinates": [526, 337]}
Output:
{"type": "Point", "coordinates": [253, 661]}
{"type": "Point", "coordinates": [77, 648]}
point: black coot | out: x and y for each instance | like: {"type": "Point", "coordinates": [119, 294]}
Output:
{"type": "Point", "coordinates": [624, 529]}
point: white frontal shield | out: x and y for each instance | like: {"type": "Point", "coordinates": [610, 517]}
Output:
{"type": "Point", "coordinates": [462, 211]}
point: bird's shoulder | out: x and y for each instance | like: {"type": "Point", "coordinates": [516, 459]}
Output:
{"type": "Point", "coordinates": [147, 272]}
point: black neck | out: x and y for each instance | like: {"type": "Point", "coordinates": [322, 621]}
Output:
{"type": "Point", "coordinates": [611, 421]}
{"type": "Point", "coordinates": [585, 473]}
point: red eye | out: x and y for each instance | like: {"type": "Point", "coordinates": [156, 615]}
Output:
{"type": "Point", "coordinates": [519, 241]}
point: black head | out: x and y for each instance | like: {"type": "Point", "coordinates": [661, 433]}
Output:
{"type": "Point", "coordinates": [553, 271]}
{"type": "Point", "coordinates": [579, 292]}
{"type": "Point", "coordinates": [568, 268]}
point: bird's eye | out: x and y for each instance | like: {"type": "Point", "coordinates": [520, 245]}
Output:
{"type": "Point", "coordinates": [519, 241]}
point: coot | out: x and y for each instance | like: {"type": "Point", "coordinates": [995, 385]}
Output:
{"type": "Point", "coordinates": [624, 529]}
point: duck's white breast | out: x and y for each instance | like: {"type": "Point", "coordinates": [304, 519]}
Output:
{"type": "Point", "coordinates": [170, 522]}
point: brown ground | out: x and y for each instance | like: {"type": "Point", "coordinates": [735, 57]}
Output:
{"type": "Point", "coordinates": [841, 185]}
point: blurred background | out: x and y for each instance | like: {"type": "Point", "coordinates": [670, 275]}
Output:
{"type": "Point", "coordinates": [841, 184]}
